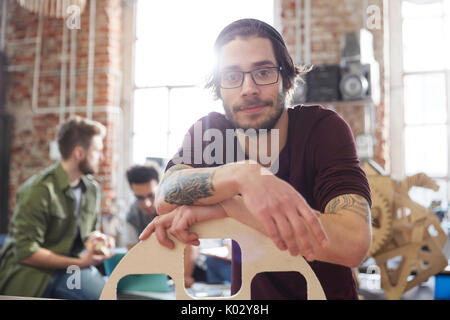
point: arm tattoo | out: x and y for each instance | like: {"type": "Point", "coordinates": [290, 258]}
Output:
{"type": "Point", "coordinates": [181, 188]}
{"type": "Point", "coordinates": [350, 202]}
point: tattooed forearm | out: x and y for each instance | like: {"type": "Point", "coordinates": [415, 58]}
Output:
{"type": "Point", "coordinates": [184, 188]}
{"type": "Point", "coordinates": [350, 202]}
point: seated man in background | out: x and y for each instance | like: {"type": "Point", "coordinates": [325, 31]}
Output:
{"type": "Point", "coordinates": [143, 181]}
{"type": "Point", "coordinates": [54, 221]}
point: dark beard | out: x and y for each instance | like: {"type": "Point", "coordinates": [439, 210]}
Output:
{"type": "Point", "coordinates": [85, 168]}
{"type": "Point", "coordinates": [270, 123]}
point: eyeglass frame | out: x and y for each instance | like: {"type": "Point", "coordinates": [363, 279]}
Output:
{"type": "Point", "coordinates": [150, 196]}
{"type": "Point", "coordinates": [251, 74]}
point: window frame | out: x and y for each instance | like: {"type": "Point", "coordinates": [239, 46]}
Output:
{"type": "Point", "coordinates": [396, 98]}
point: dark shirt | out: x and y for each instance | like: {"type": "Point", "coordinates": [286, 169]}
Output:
{"type": "Point", "coordinates": [138, 219]}
{"type": "Point", "coordinates": [321, 163]}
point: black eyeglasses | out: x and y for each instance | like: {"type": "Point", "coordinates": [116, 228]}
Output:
{"type": "Point", "coordinates": [261, 77]}
{"type": "Point", "coordinates": [150, 196]}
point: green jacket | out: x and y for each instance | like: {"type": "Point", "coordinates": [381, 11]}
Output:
{"type": "Point", "coordinates": [44, 217]}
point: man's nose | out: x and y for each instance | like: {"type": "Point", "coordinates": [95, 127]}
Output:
{"type": "Point", "coordinates": [249, 87]}
{"type": "Point", "coordinates": [148, 203]}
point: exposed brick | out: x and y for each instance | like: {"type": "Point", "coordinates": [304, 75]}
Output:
{"type": "Point", "coordinates": [32, 132]}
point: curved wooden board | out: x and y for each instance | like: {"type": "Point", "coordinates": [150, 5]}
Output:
{"type": "Point", "coordinates": [259, 254]}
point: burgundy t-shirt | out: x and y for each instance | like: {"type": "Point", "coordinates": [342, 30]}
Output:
{"type": "Point", "coordinates": [319, 161]}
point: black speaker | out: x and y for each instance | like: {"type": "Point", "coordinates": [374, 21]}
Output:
{"type": "Point", "coordinates": [360, 81]}
{"type": "Point", "coordinates": [323, 83]}
{"type": "Point", "coordinates": [355, 82]}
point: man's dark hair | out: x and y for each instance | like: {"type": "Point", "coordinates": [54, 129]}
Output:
{"type": "Point", "coordinates": [251, 27]}
{"type": "Point", "coordinates": [77, 132]}
{"type": "Point", "coordinates": [143, 173]}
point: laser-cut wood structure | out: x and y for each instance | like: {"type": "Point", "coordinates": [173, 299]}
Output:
{"type": "Point", "coordinates": [407, 237]}
{"type": "Point", "coordinates": [259, 254]}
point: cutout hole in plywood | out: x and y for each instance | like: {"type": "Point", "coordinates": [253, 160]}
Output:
{"type": "Point", "coordinates": [145, 287]}
{"type": "Point", "coordinates": [394, 266]}
{"type": "Point", "coordinates": [432, 231]}
{"type": "Point", "coordinates": [207, 268]}
{"type": "Point", "coordinates": [266, 282]}
{"type": "Point", "coordinates": [424, 264]}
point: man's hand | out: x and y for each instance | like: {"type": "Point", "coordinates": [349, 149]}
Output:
{"type": "Point", "coordinates": [178, 223]}
{"type": "Point", "coordinates": [90, 258]}
{"type": "Point", "coordinates": [282, 211]}
{"type": "Point", "coordinates": [100, 243]}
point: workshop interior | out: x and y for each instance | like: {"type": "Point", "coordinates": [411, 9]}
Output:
{"type": "Point", "coordinates": [139, 68]}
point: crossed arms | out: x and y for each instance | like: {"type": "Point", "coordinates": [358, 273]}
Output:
{"type": "Point", "coordinates": [252, 195]}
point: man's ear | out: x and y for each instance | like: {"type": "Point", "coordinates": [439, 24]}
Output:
{"type": "Point", "coordinates": [79, 153]}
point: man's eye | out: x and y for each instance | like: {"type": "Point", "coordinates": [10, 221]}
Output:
{"type": "Point", "coordinates": [263, 73]}
{"type": "Point", "coordinates": [231, 77]}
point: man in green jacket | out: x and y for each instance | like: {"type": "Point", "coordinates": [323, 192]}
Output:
{"type": "Point", "coordinates": [55, 219]}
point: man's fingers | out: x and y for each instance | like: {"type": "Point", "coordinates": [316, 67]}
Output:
{"type": "Point", "coordinates": [181, 235]}
{"type": "Point", "coordinates": [301, 234]}
{"type": "Point", "coordinates": [193, 239]}
{"type": "Point", "coordinates": [287, 234]}
{"type": "Point", "coordinates": [313, 221]}
{"type": "Point", "coordinates": [161, 235]}
{"type": "Point", "coordinates": [272, 231]}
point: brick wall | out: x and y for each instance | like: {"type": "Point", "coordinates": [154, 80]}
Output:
{"type": "Point", "coordinates": [33, 131]}
{"type": "Point", "coordinates": [330, 20]}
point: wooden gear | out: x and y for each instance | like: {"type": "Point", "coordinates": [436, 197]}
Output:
{"type": "Point", "coordinates": [411, 238]}
{"type": "Point", "coordinates": [259, 254]}
{"type": "Point", "coordinates": [381, 220]}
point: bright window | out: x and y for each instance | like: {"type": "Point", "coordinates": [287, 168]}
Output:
{"type": "Point", "coordinates": [174, 54]}
{"type": "Point", "coordinates": [426, 88]}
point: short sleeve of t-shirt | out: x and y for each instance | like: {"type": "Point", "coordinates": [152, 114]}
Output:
{"type": "Point", "coordinates": [336, 161]}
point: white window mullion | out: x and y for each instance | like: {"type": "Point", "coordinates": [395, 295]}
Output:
{"type": "Point", "coordinates": [396, 90]}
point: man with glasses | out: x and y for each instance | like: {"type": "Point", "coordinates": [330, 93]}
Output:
{"type": "Point", "coordinates": [143, 181]}
{"type": "Point", "coordinates": [315, 203]}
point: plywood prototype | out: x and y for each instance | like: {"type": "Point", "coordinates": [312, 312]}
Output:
{"type": "Point", "coordinates": [405, 230]}
{"type": "Point", "coordinates": [259, 254]}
